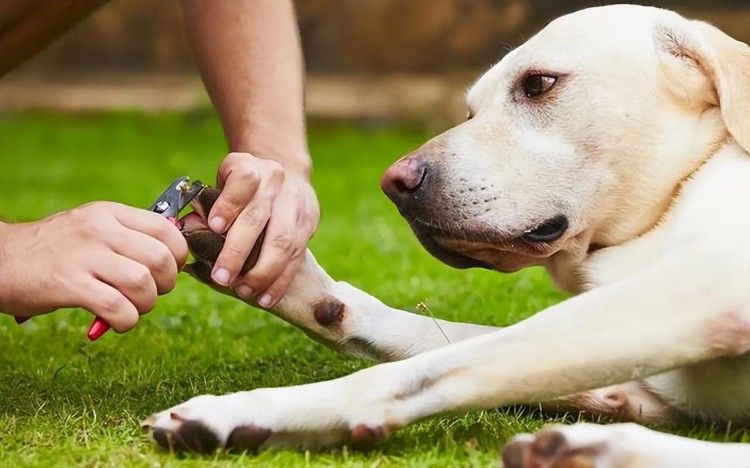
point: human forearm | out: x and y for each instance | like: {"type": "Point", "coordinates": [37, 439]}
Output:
{"type": "Point", "coordinates": [248, 53]}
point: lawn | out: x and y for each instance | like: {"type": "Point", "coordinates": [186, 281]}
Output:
{"type": "Point", "coordinates": [65, 401]}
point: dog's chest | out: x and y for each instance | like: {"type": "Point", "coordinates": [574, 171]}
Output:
{"type": "Point", "coordinates": [715, 390]}
{"type": "Point", "coordinates": [616, 263]}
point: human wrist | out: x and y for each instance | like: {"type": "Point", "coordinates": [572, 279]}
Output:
{"type": "Point", "coordinates": [294, 160]}
{"type": "Point", "coordinates": [4, 273]}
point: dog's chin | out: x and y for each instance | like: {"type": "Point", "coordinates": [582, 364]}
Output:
{"type": "Point", "coordinates": [447, 256]}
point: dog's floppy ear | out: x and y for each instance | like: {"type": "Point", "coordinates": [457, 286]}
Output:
{"type": "Point", "coordinates": [710, 67]}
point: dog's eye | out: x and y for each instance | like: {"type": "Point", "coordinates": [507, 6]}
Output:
{"type": "Point", "coordinates": [469, 115]}
{"type": "Point", "coordinates": [536, 84]}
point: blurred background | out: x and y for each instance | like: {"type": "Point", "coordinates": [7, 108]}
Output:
{"type": "Point", "coordinates": [366, 59]}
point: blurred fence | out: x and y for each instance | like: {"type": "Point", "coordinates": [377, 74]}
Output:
{"type": "Point", "coordinates": [385, 58]}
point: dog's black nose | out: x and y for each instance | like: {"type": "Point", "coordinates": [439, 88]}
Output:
{"type": "Point", "coordinates": [404, 177]}
{"type": "Point", "coordinates": [549, 231]}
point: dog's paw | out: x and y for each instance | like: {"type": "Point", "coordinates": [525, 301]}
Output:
{"type": "Point", "coordinates": [577, 446]}
{"type": "Point", "coordinates": [258, 420]}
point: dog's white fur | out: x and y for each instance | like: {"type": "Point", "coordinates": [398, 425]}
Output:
{"type": "Point", "coordinates": [643, 145]}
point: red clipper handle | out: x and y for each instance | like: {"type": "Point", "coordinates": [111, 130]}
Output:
{"type": "Point", "coordinates": [97, 329]}
{"type": "Point", "coordinates": [99, 326]}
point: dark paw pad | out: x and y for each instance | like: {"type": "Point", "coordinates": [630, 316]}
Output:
{"type": "Point", "coordinates": [205, 245]}
{"type": "Point", "coordinates": [365, 436]}
{"type": "Point", "coordinates": [549, 444]}
{"type": "Point", "coordinates": [192, 436]}
{"type": "Point", "coordinates": [247, 438]}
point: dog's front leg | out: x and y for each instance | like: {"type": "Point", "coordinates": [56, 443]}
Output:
{"type": "Point", "coordinates": [663, 318]}
{"type": "Point", "coordinates": [333, 313]}
{"type": "Point", "coordinates": [343, 317]}
{"type": "Point", "coordinates": [348, 319]}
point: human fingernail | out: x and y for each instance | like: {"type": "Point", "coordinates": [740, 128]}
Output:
{"type": "Point", "coordinates": [265, 301]}
{"type": "Point", "coordinates": [244, 291]}
{"type": "Point", "coordinates": [221, 276]}
{"type": "Point", "coordinates": [217, 224]}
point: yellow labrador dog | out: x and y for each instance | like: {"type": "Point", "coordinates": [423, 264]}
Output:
{"type": "Point", "coordinates": [611, 148]}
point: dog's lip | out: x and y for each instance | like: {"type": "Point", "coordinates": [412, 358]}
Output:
{"type": "Point", "coordinates": [473, 244]}
{"type": "Point", "coordinates": [480, 249]}
{"type": "Point", "coordinates": [451, 258]}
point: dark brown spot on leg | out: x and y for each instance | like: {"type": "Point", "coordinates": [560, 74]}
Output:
{"type": "Point", "coordinates": [514, 452]}
{"type": "Point", "coordinates": [364, 436]}
{"type": "Point", "coordinates": [247, 438]}
{"type": "Point", "coordinates": [328, 312]}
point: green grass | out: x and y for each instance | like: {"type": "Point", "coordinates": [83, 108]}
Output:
{"type": "Point", "coordinates": [65, 401]}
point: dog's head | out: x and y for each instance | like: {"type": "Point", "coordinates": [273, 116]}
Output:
{"type": "Point", "coordinates": [579, 138]}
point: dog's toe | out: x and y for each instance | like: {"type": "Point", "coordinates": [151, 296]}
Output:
{"type": "Point", "coordinates": [149, 422]}
{"type": "Point", "coordinates": [547, 449]}
{"type": "Point", "coordinates": [549, 445]}
{"type": "Point", "coordinates": [515, 453]}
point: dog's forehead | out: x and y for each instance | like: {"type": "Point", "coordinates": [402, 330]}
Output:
{"type": "Point", "coordinates": [592, 32]}
{"type": "Point", "coordinates": [587, 39]}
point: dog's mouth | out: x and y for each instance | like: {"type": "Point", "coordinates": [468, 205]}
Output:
{"type": "Point", "coordinates": [490, 249]}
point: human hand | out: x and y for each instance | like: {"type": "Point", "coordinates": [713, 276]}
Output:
{"type": "Point", "coordinates": [110, 259]}
{"type": "Point", "coordinates": [259, 193]}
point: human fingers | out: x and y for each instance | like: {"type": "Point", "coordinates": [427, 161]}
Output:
{"type": "Point", "coordinates": [109, 304]}
{"type": "Point", "coordinates": [293, 221]}
{"type": "Point", "coordinates": [132, 279]}
{"type": "Point", "coordinates": [246, 229]}
{"type": "Point", "coordinates": [276, 290]}
{"type": "Point", "coordinates": [238, 178]}
{"type": "Point", "coordinates": [155, 226]}
{"type": "Point", "coordinates": [150, 253]}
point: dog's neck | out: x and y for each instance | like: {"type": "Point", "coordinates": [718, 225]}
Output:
{"type": "Point", "coordinates": [571, 268]}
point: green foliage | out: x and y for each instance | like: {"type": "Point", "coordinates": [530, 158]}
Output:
{"type": "Point", "coordinates": [66, 401]}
